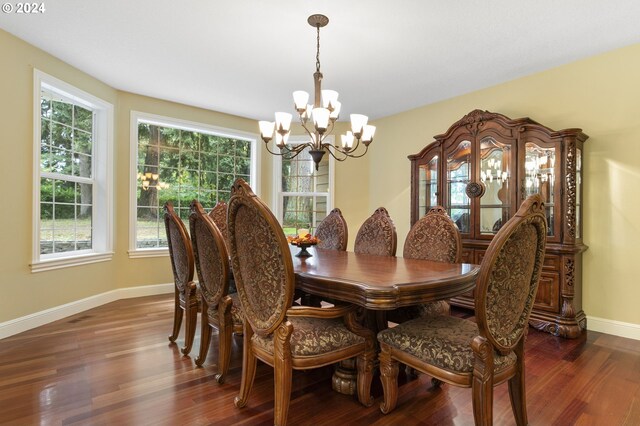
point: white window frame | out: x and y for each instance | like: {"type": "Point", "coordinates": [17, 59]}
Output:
{"type": "Point", "coordinates": [102, 176]}
{"type": "Point", "coordinates": [159, 120]}
{"type": "Point", "coordinates": [278, 194]}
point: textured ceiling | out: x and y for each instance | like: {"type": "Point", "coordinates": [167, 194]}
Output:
{"type": "Point", "coordinates": [246, 57]}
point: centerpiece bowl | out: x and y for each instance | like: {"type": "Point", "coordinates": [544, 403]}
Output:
{"type": "Point", "coordinates": [303, 241]}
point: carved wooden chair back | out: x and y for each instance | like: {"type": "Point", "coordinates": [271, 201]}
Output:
{"type": "Point", "coordinates": [463, 353]}
{"type": "Point", "coordinates": [261, 260]}
{"type": "Point", "coordinates": [219, 216]}
{"type": "Point", "coordinates": [434, 237]}
{"type": "Point", "coordinates": [377, 235]}
{"type": "Point", "coordinates": [509, 275]}
{"type": "Point", "coordinates": [332, 232]}
{"type": "Point", "coordinates": [211, 256]}
{"type": "Point", "coordinates": [182, 264]}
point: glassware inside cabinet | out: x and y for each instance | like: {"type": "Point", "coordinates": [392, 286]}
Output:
{"type": "Point", "coordinates": [540, 178]}
{"type": "Point", "coordinates": [458, 177]}
{"type": "Point", "coordinates": [495, 162]}
{"type": "Point", "coordinates": [428, 186]}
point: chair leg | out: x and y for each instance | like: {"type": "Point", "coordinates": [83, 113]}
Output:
{"type": "Point", "coordinates": [282, 372]}
{"type": "Point", "coordinates": [225, 329]}
{"type": "Point", "coordinates": [389, 377]}
{"type": "Point", "coordinates": [249, 362]}
{"type": "Point", "coordinates": [205, 335]}
{"type": "Point", "coordinates": [177, 318]}
{"type": "Point", "coordinates": [191, 313]}
{"type": "Point", "coordinates": [517, 392]}
{"type": "Point", "coordinates": [482, 384]}
{"type": "Point", "coordinates": [365, 377]}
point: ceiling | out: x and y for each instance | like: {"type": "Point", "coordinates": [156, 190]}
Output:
{"type": "Point", "coordinates": [245, 57]}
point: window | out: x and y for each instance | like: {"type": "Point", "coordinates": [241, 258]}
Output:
{"type": "Point", "coordinates": [179, 161]}
{"type": "Point", "coordinates": [72, 175]}
{"type": "Point", "coordinates": [304, 195]}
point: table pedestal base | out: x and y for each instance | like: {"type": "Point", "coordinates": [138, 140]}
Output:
{"type": "Point", "coordinates": [345, 378]}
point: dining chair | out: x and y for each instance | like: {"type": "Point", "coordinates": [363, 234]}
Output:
{"type": "Point", "coordinates": [333, 232]}
{"type": "Point", "coordinates": [434, 237]}
{"type": "Point", "coordinates": [489, 351]}
{"type": "Point", "coordinates": [219, 309]}
{"type": "Point", "coordinates": [284, 336]}
{"type": "Point", "coordinates": [182, 263]}
{"type": "Point", "coordinates": [377, 235]}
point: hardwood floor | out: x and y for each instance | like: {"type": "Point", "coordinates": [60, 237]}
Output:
{"type": "Point", "coordinates": [114, 365]}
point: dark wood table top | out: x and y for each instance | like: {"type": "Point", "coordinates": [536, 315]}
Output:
{"type": "Point", "coordinates": [380, 282]}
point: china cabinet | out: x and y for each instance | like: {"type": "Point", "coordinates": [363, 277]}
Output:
{"type": "Point", "coordinates": [481, 170]}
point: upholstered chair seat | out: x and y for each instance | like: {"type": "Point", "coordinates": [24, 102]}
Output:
{"type": "Point", "coordinates": [443, 341]}
{"type": "Point", "coordinates": [314, 337]}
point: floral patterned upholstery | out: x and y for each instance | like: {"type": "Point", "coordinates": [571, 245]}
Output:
{"type": "Point", "coordinates": [211, 258]}
{"type": "Point", "coordinates": [219, 216]}
{"type": "Point", "coordinates": [434, 237]}
{"type": "Point", "coordinates": [262, 267]}
{"type": "Point", "coordinates": [377, 235]}
{"type": "Point", "coordinates": [314, 336]}
{"type": "Point", "coordinates": [512, 284]}
{"type": "Point", "coordinates": [443, 341]}
{"type": "Point", "coordinates": [332, 232]}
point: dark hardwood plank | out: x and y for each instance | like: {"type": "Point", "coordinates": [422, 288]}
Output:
{"type": "Point", "coordinates": [115, 365]}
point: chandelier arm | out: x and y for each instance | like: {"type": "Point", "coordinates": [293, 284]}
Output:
{"type": "Point", "coordinates": [292, 153]}
{"type": "Point", "coordinates": [328, 147]}
{"type": "Point", "coordinates": [343, 152]}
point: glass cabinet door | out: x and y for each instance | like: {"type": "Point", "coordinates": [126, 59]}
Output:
{"type": "Point", "coordinates": [495, 174]}
{"type": "Point", "coordinates": [427, 186]}
{"type": "Point", "coordinates": [458, 177]}
{"type": "Point", "coordinates": [540, 178]}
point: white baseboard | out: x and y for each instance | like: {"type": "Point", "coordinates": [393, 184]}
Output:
{"type": "Point", "coordinates": [27, 322]}
{"type": "Point", "coordinates": [616, 328]}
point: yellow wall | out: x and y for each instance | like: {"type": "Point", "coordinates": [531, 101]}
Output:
{"type": "Point", "coordinates": [25, 293]}
{"type": "Point", "coordinates": [601, 95]}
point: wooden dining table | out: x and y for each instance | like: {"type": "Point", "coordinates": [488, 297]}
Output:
{"type": "Point", "coordinates": [378, 284]}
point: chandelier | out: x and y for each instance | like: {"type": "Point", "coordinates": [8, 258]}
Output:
{"type": "Point", "coordinates": [317, 120]}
